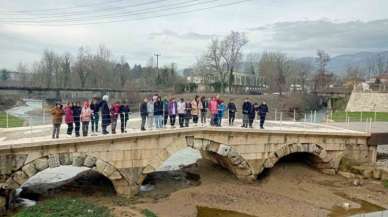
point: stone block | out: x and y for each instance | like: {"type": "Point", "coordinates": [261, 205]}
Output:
{"type": "Point", "coordinates": [346, 174]}
{"type": "Point", "coordinates": [65, 159]}
{"type": "Point", "coordinates": [78, 159]}
{"type": "Point", "coordinates": [53, 161]}
{"type": "Point", "coordinates": [29, 169]}
{"type": "Point", "coordinates": [41, 164]}
{"type": "Point", "coordinates": [148, 169]}
{"type": "Point", "coordinates": [11, 184]}
{"type": "Point", "coordinates": [377, 174]}
{"type": "Point", "coordinates": [115, 175]}
{"type": "Point", "coordinates": [108, 170]}
{"type": "Point", "coordinates": [100, 166]}
{"type": "Point", "coordinates": [90, 161]}
{"type": "Point", "coordinates": [20, 177]}
{"type": "Point", "coordinates": [224, 150]}
{"type": "Point", "coordinates": [328, 171]}
{"type": "Point", "coordinates": [384, 174]}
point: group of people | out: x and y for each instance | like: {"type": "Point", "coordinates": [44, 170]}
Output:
{"type": "Point", "coordinates": [77, 116]}
{"type": "Point", "coordinates": [155, 112]}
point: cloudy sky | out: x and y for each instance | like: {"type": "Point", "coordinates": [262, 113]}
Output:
{"type": "Point", "coordinates": [296, 27]}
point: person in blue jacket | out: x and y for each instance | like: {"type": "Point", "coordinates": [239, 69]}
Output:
{"type": "Point", "coordinates": [263, 110]}
{"type": "Point", "coordinates": [221, 111]}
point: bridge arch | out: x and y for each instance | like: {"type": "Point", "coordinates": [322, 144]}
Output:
{"type": "Point", "coordinates": [321, 159]}
{"type": "Point", "coordinates": [29, 169]}
{"type": "Point", "coordinates": [225, 155]}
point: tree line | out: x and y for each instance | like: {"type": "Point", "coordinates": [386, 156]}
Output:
{"type": "Point", "coordinates": [97, 70]}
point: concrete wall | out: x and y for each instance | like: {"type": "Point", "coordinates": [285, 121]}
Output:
{"type": "Point", "coordinates": [367, 102]}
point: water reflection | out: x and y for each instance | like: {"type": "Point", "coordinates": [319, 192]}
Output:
{"type": "Point", "coordinates": [212, 212]}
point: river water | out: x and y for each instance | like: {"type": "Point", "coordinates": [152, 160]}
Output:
{"type": "Point", "coordinates": [30, 111]}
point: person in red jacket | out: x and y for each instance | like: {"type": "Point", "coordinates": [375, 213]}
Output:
{"type": "Point", "coordinates": [115, 111]}
{"type": "Point", "coordinates": [213, 108]}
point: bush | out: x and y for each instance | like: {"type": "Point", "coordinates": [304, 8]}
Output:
{"type": "Point", "coordinates": [64, 207]}
{"type": "Point", "coordinates": [149, 213]}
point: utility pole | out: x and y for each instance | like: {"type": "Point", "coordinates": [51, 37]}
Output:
{"type": "Point", "coordinates": [157, 63]}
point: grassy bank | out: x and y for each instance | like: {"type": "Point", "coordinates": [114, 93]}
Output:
{"type": "Point", "coordinates": [64, 207]}
{"type": "Point", "coordinates": [12, 121]}
{"type": "Point", "coordinates": [340, 116]}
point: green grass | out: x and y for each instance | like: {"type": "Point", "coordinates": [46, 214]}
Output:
{"type": "Point", "coordinates": [12, 121]}
{"type": "Point", "coordinates": [340, 116]}
{"type": "Point", "coordinates": [385, 183]}
{"type": "Point", "coordinates": [149, 213]}
{"type": "Point", "coordinates": [64, 207]}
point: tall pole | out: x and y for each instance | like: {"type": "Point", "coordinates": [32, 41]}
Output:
{"type": "Point", "coordinates": [157, 63]}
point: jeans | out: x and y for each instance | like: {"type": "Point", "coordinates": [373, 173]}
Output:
{"type": "Point", "coordinates": [195, 119]}
{"type": "Point", "coordinates": [77, 123]}
{"type": "Point", "coordinates": [123, 122]}
{"type": "Point", "coordinates": [158, 121]}
{"type": "Point", "coordinates": [203, 117]}
{"type": "Point", "coordinates": [143, 122]}
{"type": "Point", "coordinates": [69, 128]}
{"type": "Point", "coordinates": [56, 128]}
{"type": "Point", "coordinates": [95, 118]}
{"type": "Point", "coordinates": [150, 121]}
{"type": "Point", "coordinates": [172, 120]}
{"type": "Point", "coordinates": [232, 115]}
{"type": "Point", "coordinates": [213, 120]}
{"type": "Point", "coordinates": [165, 119]}
{"type": "Point", "coordinates": [181, 118]}
{"type": "Point", "coordinates": [262, 120]}
{"type": "Point", "coordinates": [114, 124]}
{"type": "Point", "coordinates": [245, 120]}
{"type": "Point", "coordinates": [85, 128]}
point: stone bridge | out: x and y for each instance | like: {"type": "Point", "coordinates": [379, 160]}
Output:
{"type": "Point", "coordinates": [127, 158]}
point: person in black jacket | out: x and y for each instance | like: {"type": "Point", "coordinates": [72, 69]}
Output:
{"type": "Point", "coordinates": [263, 110]}
{"type": "Point", "coordinates": [252, 114]}
{"type": "Point", "coordinates": [158, 112]}
{"type": "Point", "coordinates": [95, 116]}
{"type": "Point", "coordinates": [105, 113]}
{"type": "Point", "coordinates": [187, 116]}
{"type": "Point", "coordinates": [246, 107]}
{"type": "Point", "coordinates": [77, 117]}
{"type": "Point", "coordinates": [124, 116]}
{"type": "Point", "coordinates": [232, 112]}
{"type": "Point", "coordinates": [143, 113]}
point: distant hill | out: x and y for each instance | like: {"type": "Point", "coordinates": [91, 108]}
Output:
{"type": "Point", "coordinates": [339, 64]}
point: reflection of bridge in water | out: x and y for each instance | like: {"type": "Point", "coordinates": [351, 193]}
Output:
{"type": "Point", "coordinates": [127, 158]}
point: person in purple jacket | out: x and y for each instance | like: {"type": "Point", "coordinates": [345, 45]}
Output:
{"type": "Point", "coordinates": [172, 111]}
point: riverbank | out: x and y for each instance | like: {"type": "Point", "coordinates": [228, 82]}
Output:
{"type": "Point", "coordinates": [289, 189]}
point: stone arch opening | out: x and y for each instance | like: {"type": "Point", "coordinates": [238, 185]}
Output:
{"type": "Point", "coordinates": [311, 154]}
{"type": "Point", "coordinates": [30, 169]}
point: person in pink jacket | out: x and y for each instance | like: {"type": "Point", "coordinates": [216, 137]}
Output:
{"type": "Point", "coordinates": [86, 114]}
{"type": "Point", "coordinates": [69, 119]}
{"type": "Point", "coordinates": [213, 108]}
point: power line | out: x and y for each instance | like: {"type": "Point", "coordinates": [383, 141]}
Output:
{"type": "Point", "coordinates": [124, 18]}
{"type": "Point", "coordinates": [114, 14]}
{"type": "Point", "coordinates": [57, 9]}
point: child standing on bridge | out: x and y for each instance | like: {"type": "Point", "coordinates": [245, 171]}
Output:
{"type": "Point", "coordinates": [69, 119]}
{"type": "Point", "coordinates": [77, 117]}
{"type": "Point", "coordinates": [57, 113]}
{"type": "Point", "coordinates": [86, 114]}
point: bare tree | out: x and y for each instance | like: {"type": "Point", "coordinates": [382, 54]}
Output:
{"type": "Point", "coordinates": [81, 66]}
{"type": "Point", "coordinates": [66, 70]}
{"type": "Point", "coordinates": [224, 56]}
{"type": "Point", "coordinates": [274, 68]}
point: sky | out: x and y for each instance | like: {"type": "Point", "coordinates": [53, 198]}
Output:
{"type": "Point", "coordinates": [295, 27]}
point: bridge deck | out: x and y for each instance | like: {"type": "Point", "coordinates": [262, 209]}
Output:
{"type": "Point", "coordinates": [13, 138]}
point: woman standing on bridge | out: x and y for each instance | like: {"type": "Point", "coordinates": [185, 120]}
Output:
{"type": "Point", "coordinates": [69, 119]}
{"type": "Point", "coordinates": [105, 113]}
{"type": "Point", "coordinates": [77, 117]}
{"type": "Point", "coordinates": [57, 113]}
{"type": "Point", "coordinates": [86, 114]}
